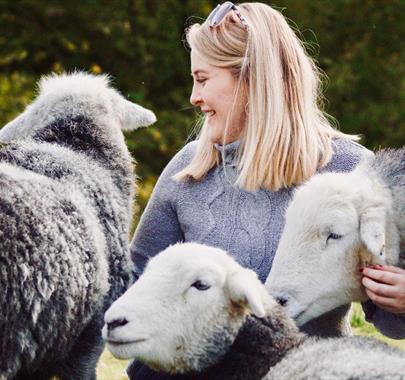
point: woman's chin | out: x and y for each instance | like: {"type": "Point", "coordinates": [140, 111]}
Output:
{"type": "Point", "coordinates": [215, 136]}
{"type": "Point", "coordinates": [219, 139]}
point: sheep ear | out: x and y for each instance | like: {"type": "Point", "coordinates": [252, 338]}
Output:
{"type": "Point", "coordinates": [372, 231]}
{"type": "Point", "coordinates": [12, 129]}
{"type": "Point", "coordinates": [134, 116]}
{"type": "Point", "coordinates": [244, 286]}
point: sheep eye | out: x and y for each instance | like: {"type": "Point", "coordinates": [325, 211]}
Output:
{"type": "Point", "coordinates": [199, 285]}
{"type": "Point", "coordinates": [334, 236]}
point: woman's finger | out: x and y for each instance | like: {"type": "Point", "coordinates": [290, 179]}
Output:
{"type": "Point", "coordinates": [381, 301]}
{"type": "Point", "coordinates": [379, 288]}
{"type": "Point", "coordinates": [381, 275]}
{"type": "Point", "coordinates": [391, 305]}
{"type": "Point", "coordinates": [390, 268]}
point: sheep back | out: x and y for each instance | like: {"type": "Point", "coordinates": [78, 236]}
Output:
{"type": "Point", "coordinates": [80, 157]}
{"type": "Point", "coordinates": [341, 358]}
{"type": "Point", "coordinates": [49, 276]}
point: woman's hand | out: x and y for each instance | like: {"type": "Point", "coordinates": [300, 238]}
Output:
{"type": "Point", "coordinates": [385, 286]}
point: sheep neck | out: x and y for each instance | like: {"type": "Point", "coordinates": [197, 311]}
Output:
{"type": "Point", "coordinates": [79, 133]}
{"type": "Point", "coordinates": [259, 345]}
{"type": "Point", "coordinates": [82, 134]}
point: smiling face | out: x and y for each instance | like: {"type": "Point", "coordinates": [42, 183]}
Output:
{"type": "Point", "coordinates": [214, 91]}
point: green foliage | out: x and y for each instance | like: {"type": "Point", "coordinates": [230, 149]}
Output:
{"type": "Point", "coordinates": [359, 45]}
{"type": "Point", "coordinates": [16, 91]}
{"type": "Point", "coordinates": [109, 368]}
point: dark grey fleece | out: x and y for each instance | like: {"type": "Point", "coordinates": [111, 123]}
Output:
{"type": "Point", "coordinates": [272, 349]}
{"type": "Point", "coordinates": [65, 205]}
{"type": "Point", "coordinates": [260, 344]}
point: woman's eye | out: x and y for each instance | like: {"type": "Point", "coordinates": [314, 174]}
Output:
{"type": "Point", "coordinates": [334, 236]}
{"type": "Point", "coordinates": [201, 80]}
{"type": "Point", "coordinates": [200, 285]}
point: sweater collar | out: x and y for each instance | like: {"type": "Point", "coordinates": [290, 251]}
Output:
{"type": "Point", "coordinates": [229, 151]}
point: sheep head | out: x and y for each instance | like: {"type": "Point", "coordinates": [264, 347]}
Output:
{"type": "Point", "coordinates": [336, 223]}
{"type": "Point", "coordinates": [185, 311]}
{"type": "Point", "coordinates": [77, 94]}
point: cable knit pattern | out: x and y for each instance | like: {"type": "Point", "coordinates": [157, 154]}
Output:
{"type": "Point", "coordinates": [213, 211]}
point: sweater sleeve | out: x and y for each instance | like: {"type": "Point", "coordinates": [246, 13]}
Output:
{"type": "Point", "coordinates": [389, 324]}
{"type": "Point", "coordinates": [159, 226]}
{"type": "Point", "coordinates": [347, 155]}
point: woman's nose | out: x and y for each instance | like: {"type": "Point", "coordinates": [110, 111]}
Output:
{"type": "Point", "coordinates": [195, 97]}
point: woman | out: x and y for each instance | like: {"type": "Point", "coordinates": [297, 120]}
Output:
{"type": "Point", "coordinates": [263, 134]}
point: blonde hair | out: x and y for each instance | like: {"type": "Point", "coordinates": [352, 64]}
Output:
{"type": "Point", "coordinates": [286, 137]}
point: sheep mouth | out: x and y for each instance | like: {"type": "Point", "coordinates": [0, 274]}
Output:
{"type": "Point", "coordinates": [116, 343]}
{"type": "Point", "coordinates": [298, 315]}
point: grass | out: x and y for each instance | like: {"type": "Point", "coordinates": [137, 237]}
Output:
{"type": "Point", "coordinates": [361, 327]}
{"type": "Point", "coordinates": [110, 368]}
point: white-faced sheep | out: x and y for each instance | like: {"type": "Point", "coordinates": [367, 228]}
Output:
{"type": "Point", "coordinates": [196, 312]}
{"type": "Point", "coordinates": [335, 224]}
{"type": "Point", "coordinates": [66, 189]}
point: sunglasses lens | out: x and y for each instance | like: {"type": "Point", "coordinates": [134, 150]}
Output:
{"type": "Point", "coordinates": [218, 14]}
{"type": "Point", "coordinates": [211, 16]}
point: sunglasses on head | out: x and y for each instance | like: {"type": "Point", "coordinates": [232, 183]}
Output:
{"type": "Point", "coordinates": [218, 14]}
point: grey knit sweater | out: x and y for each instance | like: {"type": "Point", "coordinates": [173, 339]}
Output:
{"type": "Point", "coordinates": [248, 225]}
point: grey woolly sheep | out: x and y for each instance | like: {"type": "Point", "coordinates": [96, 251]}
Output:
{"type": "Point", "coordinates": [198, 313]}
{"type": "Point", "coordinates": [66, 190]}
{"type": "Point", "coordinates": [336, 223]}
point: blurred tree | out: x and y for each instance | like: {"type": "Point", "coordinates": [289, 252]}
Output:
{"type": "Point", "coordinates": [362, 50]}
{"type": "Point", "coordinates": [358, 43]}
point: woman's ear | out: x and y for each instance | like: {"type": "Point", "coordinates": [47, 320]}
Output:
{"type": "Point", "coordinates": [245, 287]}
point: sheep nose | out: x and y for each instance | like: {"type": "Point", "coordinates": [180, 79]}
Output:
{"type": "Point", "coordinates": [282, 301]}
{"type": "Point", "coordinates": [116, 323]}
